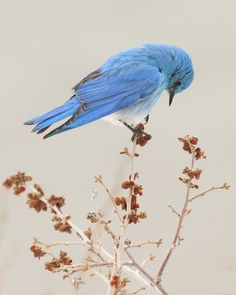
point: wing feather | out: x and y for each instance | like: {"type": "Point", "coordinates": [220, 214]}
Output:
{"type": "Point", "coordinates": [107, 92]}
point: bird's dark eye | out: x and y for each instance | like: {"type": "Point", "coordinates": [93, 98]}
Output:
{"type": "Point", "coordinates": [178, 83]}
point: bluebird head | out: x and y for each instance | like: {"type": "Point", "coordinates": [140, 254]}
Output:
{"type": "Point", "coordinates": [180, 72]}
{"type": "Point", "coordinates": [175, 64]}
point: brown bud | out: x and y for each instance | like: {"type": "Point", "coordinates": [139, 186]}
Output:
{"type": "Point", "coordinates": [115, 281]}
{"type": "Point", "coordinates": [88, 233]}
{"type": "Point", "coordinates": [194, 140]}
{"type": "Point", "coordinates": [138, 190]}
{"type": "Point", "coordinates": [56, 201]}
{"type": "Point", "coordinates": [35, 202]}
{"type": "Point", "coordinates": [38, 252]}
{"type": "Point", "coordinates": [117, 201]}
{"type": "Point", "coordinates": [127, 184]}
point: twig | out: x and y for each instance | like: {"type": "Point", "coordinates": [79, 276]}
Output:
{"type": "Point", "coordinates": [99, 179]}
{"type": "Point", "coordinates": [126, 221]}
{"type": "Point", "coordinates": [138, 290]}
{"type": "Point", "coordinates": [174, 211]}
{"type": "Point", "coordinates": [99, 274]}
{"type": "Point", "coordinates": [47, 246]}
{"type": "Point", "coordinates": [185, 211]}
{"type": "Point", "coordinates": [96, 253]}
{"type": "Point", "coordinates": [213, 188]}
{"type": "Point", "coordinates": [156, 286]}
{"type": "Point", "coordinates": [179, 225]}
{"type": "Point", "coordinates": [81, 234]}
{"type": "Point", "coordinates": [109, 231]}
{"type": "Point", "coordinates": [138, 245]}
{"type": "Point", "coordinates": [150, 258]}
{"type": "Point", "coordinates": [60, 214]}
{"type": "Point", "coordinates": [124, 224]}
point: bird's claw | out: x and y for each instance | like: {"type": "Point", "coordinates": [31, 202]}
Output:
{"type": "Point", "coordinates": [140, 136]}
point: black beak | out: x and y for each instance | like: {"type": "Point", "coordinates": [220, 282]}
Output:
{"type": "Point", "coordinates": [171, 96]}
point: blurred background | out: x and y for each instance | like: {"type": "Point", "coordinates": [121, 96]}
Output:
{"type": "Point", "coordinates": [46, 48]}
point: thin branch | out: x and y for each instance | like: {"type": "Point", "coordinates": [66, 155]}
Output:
{"type": "Point", "coordinates": [138, 290]}
{"type": "Point", "coordinates": [100, 275]}
{"type": "Point", "coordinates": [148, 242]}
{"type": "Point", "coordinates": [174, 211]}
{"type": "Point", "coordinates": [149, 258]}
{"type": "Point", "coordinates": [81, 234]}
{"type": "Point", "coordinates": [60, 214]}
{"type": "Point", "coordinates": [47, 246]}
{"type": "Point", "coordinates": [213, 188]}
{"type": "Point", "coordinates": [156, 286]}
{"type": "Point", "coordinates": [99, 180]}
{"type": "Point", "coordinates": [124, 224]}
{"type": "Point", "coordinates": [109, 231]}
{"type": "Point", "coordinates": [179, 225]}
{"type": "Point", "coordinates": [126, 221]}
{"type": "Point", "coordinates": [92, 249]}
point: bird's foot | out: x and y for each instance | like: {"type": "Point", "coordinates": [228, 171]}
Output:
{"type": "Point", "coordinates": [139, 135]}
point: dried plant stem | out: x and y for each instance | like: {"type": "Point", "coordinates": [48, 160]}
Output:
{"type": "Point", "coordinates": [145, 261]}
{"type": "Point", "coordinates": [179, 226]}
{"type": "Point", "coordinates": [148, 242]}
{"type": "Point", "coordinates": [183, 214]}
{"type": "Point", "coordinates": [79, 232]}
{"type": "Point", "coordinates": [96, 248]}
{"type": "Point", "coordinates": [111, 198]}
{"type": "Point", "coordinates": [145, 278]}
{"type": "Point", "coordinates": [127, 268]}
{"type": "Point", "coordinates": [124, 224]}
{"type": "Point", "coordinates": [47, 246]}
{"type": "Point", "coordinates": [126, 220]}
{"type": "Point", "coordinates": [99, 274]}
{"type": "Point", "coordinates": [213, 188]}
{"type": "Point", "coordinates": [110, 267]}
{"type": "Point", "coordinates": [156, 286]}
{"type": "Point", "coordinates": [138, 290]}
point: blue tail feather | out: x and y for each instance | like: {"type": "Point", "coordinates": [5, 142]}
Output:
{"type": "Point", "coordinates": [61, 109]}
{"type": "Point", "coordinates": [44, 121]}
{"type": "Point", "coordinates": [58, 117]}
{"type": "Point", "coordinates": [84, 118]}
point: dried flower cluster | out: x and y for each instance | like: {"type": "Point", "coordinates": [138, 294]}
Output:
{"type": "Point", "coordinates": [189, 145]}
{"type": "Point", "coordinates": [136, 190]}
{"type": "Point", "coordinates": [56, 264]}
{"type": "Point", "coordinates": [113, 269]}
{"type": "Point", "coordinates": [17, 182]}
{"type": "Point", "coordinates": [61, 224]}
{"type": "Point", "coordinates": [37, 251]}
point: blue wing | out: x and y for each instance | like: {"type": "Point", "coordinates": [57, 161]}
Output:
{"type": "Point", "coordinates": [101, 93]}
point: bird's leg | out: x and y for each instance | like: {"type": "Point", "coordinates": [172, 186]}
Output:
{"type": "Point", "coordinates": [138, 131]}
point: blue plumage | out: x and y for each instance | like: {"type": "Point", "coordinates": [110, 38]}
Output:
{"type": "Point", "coordinates": [124, 89]}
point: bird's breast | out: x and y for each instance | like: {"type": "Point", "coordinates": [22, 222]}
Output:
{"type": "Point", "coordinates": [135, 113]}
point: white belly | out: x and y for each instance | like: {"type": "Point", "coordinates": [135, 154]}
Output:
{"type": "Point", "coordinates": [135, 113]}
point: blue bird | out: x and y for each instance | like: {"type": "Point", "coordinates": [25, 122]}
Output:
{"type": "Point", "coordinates": [124, 89]}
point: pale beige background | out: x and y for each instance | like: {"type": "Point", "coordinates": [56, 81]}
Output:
{"type": "Point", "coordinates": [49, 45]}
